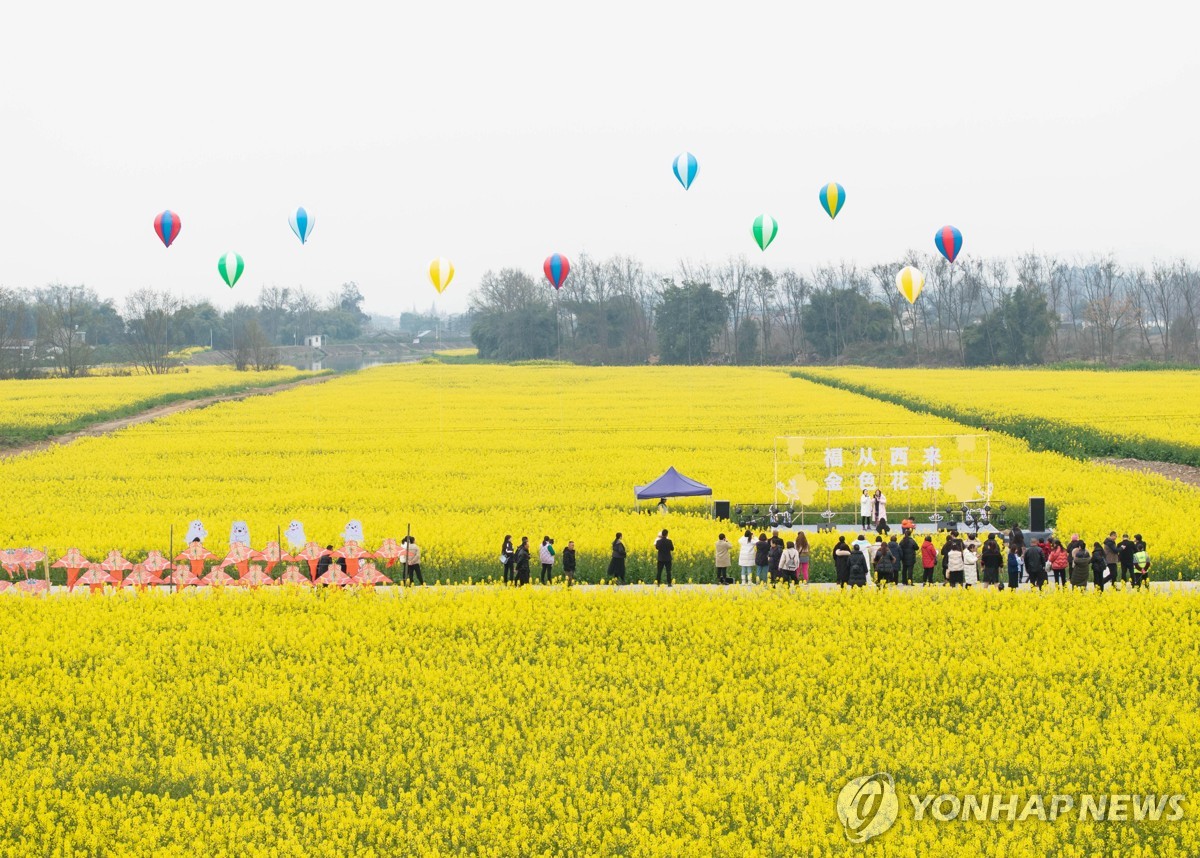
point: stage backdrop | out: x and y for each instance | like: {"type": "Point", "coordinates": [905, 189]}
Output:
{"type": "Point", "coordinates": [916, 473]}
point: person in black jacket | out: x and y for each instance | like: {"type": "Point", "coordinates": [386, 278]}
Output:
{"type": "Point", "coordinates": [569, 562]}
{"type": "Point", "coordinates": [762, 558]}
{"type": "Point", "coordinates": [908, 557]}
{"type": "Point", "coordinates": [1035, 566]}
{"type": "Point", "coordinates": [885, 567]}
{"type": "Point", "coordinates": [665, 548]}
{"type": "Point", "coordinates": [521, 562]}
{"type": "Point", "coordinates": [841, 561]}
{"type": "Point", "coordinates": [991, 558]}
{"type": "Point", "coordinates": [856, 568]}
{"type": "Point", "coordinates": [773, 554]}
{"type": "Point", "coordinates": [1125, 549]}
{"type": "Point", "coordinates": [616, 566]}
{"type": "Point", "coordinates": [324, 561]}
{"type": "Point", "coordinates": [506, 553]}
{"type": "Point", "coordinates": [1099, 566]}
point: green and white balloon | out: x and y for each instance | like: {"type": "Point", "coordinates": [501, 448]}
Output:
{"type": "Point", "coordinates": [765, 228]}
{"type": "Point", "coordinates": [231, 267]}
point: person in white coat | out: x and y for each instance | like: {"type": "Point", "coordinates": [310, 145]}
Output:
{"type": "Point", "coordinates": [878, 508]}
{"type": "Point", "coordinates": [866, 506]}
{"type": "Point", "coordinates": [970, 565]}
{"type": "Point", "coordinates": [746, 556]}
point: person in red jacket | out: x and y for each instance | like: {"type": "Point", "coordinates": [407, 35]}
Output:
{"type": "Point", "coordinates": [929, 558]}
{"type": "Point", "coordinates": [1059, 561]}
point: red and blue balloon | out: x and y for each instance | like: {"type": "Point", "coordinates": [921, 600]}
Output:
{"type": "Point", "coordinates": [166, 226]}
{"type": "Point", "coordinates": [557, 268]}
{"type": "Point", "coordinates": [948, 241]}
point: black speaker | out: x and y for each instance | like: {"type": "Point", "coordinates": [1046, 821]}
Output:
{"type": "Point", "coordinates": [1037, 514]}
{"type": "Point", "coordinates": [721, 508]}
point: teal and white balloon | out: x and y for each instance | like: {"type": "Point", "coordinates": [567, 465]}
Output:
{"type": "Point", "coordinates": [231, 267]}
{"type": "Point", "coordinates": [765, 229]}
{"type": "Point", "coordinates": [302, 224]}
{"type": "Point", "coordinates": [685, 168]}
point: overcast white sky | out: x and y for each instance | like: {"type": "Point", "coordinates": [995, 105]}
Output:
{"type": "Point", "coordinates": [497, 133]}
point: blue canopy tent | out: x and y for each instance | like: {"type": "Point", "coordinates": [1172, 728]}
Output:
{"type": "Point", "coordinates": [671, 484]}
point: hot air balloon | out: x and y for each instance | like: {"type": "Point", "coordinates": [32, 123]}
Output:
{"type": "Point", "coordinates": [441, 272]}
{"type": "Point", "coordinates": [910, 282]}
{"type": "Point", "coordinates": [231, 267]}
{"type": "Point", "coordinates": [167, 226]}
{"type": "Point", "coordinates": [949, 242]}
{"type": "Point", "coordinates": [557, 268]}
{"type": "Point", "coordinates": [685, 167]}
{"type": "Point", "coordinates": [833, 197]}
{"type": "Point", "coordinates": [765, 229]}
{"type": "Point", "coordinates": [302, 224]}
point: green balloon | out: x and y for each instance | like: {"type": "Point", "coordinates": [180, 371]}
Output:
{"type": "Point", "coordinates": [231, 267]}
{"type": "Point", "coordinates": [765, 229]}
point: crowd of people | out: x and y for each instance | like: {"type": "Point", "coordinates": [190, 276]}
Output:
{"type": "Point", "coordinates": [962, 560]}
{"type": "Point", "coordinates": [965, 560]}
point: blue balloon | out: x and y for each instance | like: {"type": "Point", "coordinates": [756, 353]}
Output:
{"type": "Point", "coordinates": [685, 168]}
{"type": "Point", "coordinates": [302, 224]}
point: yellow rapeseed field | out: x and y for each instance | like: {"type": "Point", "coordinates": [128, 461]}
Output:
{"type": "Point", "coordinates": [466, 454]}
{"type": "Point", "coordinates": [1150, 412]}
{"type": "Point", "coordinates": [32, 408]}
{"type": "Point", "coordinates": [594, 721]}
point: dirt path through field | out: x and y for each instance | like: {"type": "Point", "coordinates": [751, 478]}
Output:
{"type": "Point", "coordinates": [107, 426]}
{"type": "Point", "coordinates": [1184, 473]}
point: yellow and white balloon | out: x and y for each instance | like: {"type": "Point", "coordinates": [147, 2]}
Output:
{"type": "Point", "coordinates": [909, 283]}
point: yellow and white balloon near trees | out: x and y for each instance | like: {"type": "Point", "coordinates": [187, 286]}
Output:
{"type": "Point", "coordinates": [910, 282]}
{"type": "Point", "coordinates": [441, 272]}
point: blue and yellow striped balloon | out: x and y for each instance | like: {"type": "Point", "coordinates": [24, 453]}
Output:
{"type": "Point", "coordinates": [832, 197]}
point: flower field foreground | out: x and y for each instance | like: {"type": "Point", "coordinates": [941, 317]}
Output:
{"type": "Point", "coordinates": [1142, 415]}
{"type": "Point", "coordinates": [592, 721]}
{"type": "Point", "coordinates": [32, 409]}
{"type": "Point", "coordinates": [466, 454]}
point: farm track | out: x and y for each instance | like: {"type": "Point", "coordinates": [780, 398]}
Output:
{"type": "Point", "coordinates": [150, 414]}
{"type": "Point", "coordinates": [1171, 470]}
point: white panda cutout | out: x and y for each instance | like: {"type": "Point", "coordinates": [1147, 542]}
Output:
{"type": "Point", "coordinates": [239, 533]}
{"type": "Point", "coordinates": [196, 531]}
{"type": "Point", "coordinates": [353, 532]}
{"type": "Point", "coordinates": [295, 535]}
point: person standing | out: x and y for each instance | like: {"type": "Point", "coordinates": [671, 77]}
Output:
{"type": "Point", "coordinates": [946, 546]}
{"type": "Point", "coordinates": [879, 510]}
{"type": "Point", "coordinates": [954, 561]}
{"type": "Point", "coordinates": [856, 568]}
{"type": "Point", "coordinates": [929, 558]}
{"type": "Point", "coordinates": [506, 558]}
{"type": "Point", "coordinates": [908, 557]}
{"type": "Point", "coordinates": [970, 565]}
{"type": "Point", "coordinates": [723, 559]}
{"type": "Point", "coordinates": [521, 563]}
{"type": "Point", "coordinates": [789, 562]}
{"type": "Point", "coordinates": [773, 557]}
{"type": "Point", "coordinates": [1014, 567]}
{"type": "Point", "coordinates": [762, 558]}
{"type": "Point", "coordinates": [1059, 560]}
{"type": "Point", "coordinates": [665, 548]}
{"type": "Point", "coordinates": [885, 567]}
{"type": "Point", "coordinates": [991, 557]}
{"type": "Point", "coordinates": [1016, 539]}
{"type": "Point", "coordinates": [569, 562]}
{"type": "Point", "coordinates": [1125, 549]}
{"type": "Point", "coordinates": [1111, 556]}
{"type": "Point", "coordinates": [1035, 566]}
{"type": "Point", "coordinates": [1141, 563]}
{"type": "Point", "coordinates": [616, 565]}
{"type": "Point", "coordinates": [1081, 564]}
{"type": "Point", "coordinates": [805, 557]}
{"type": "Point", "coordinates": [841, 561]}
{"type": "Point", "coordinates": [412, 561]}
{"type": "Point", "coordinates": [1099, 561]}
{"type": "Point", "coordinates": [546, 558]}
{"type": "Point", "coordinates": [866, 505]}
{"type": "Point", "coordinates": [746, 555]}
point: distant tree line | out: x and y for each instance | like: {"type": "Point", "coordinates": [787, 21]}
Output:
{"type": "Point", "coordinates": [1028, 310]}
{"type": "Point", "coordinates": [69, 329]}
